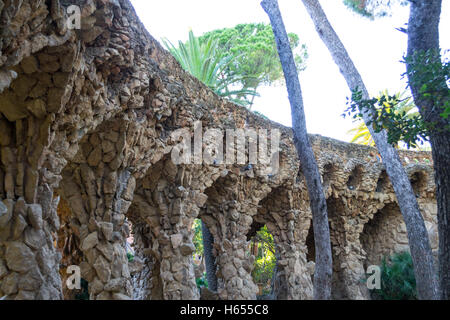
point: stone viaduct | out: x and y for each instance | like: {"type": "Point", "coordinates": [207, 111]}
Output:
{"type": "Point", "coordinates": [86, 117]}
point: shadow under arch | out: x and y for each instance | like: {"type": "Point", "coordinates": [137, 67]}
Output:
{"type": "Point", "coordinates": [384, 235]}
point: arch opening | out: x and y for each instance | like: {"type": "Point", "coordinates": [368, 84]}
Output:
{"type": "Point", "coordinates": [328, 173]}
{"type": "Point", "coordinates": [418, 182]}
{"type": "Point", "coordinates": [68, 244]}
{"type": "Point", "coordinates": [262, 247]}
{"type": "Point", "coordinates": [355, 178]}
{"type": "Point", "coordinates": [310, 245]}
{"type": "Point", "coordinates": [383, 182]}
{"type": "Point", "coordinates": [384, 235]}
{"type": "Point", "coordinates": [199, 255]}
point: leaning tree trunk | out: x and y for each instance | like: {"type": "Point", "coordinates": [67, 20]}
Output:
{"type": "Point", "coordinates": [323, 270]}
{"type": "Point", "coordinates": [423, 36]}
{"type": "Point", "coordinates": [417, 233]}
{"type": "Point", "coordinates": [210, 260]}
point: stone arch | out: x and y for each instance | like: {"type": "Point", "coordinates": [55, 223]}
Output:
{"type": "Point", "coordinates": [258, 247]}
{"type": "Point", "coordinates": [286, 216]}
{"type": "Point", "coordinates": [384, 235]}
{"type": "Point", "coordinates": [254, 228]}
{"type": "Point", "coordinates": [167, 200]}
{"type": "Point", "coordinates": [383, 182]}
{"type": "Point", "coordinates": [355, 177]}
{"type": "Point", "coordinates": [229, 213]}
{"type": "Point", "coordinates": [99, 184]}
{"type": "Point", "coordinates": [418, 179]}
{"type": "Point", "coordinates": [328, 174]}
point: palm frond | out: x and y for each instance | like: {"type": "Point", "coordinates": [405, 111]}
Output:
{"type": "Point", "coordinates": [207, 62]}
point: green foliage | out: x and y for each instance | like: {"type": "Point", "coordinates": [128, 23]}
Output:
{"type": "Point", "coordinates": [431, 75]}
{"type": "Point", "coordinates": [202, 282]}
{"type": "Point", "coordinates": [397, 279]}
{"type": "Point", "coordinates": [130, 257]}
{"type": "Point", "coordinates": [373, 8]}
{"type": "Point", "coordinates": [208, 62]}
{"type": "Point", "coordinates": [265, 260]}
{"type": "Point", "coordinates": [261, 115]}
{"type": "Point", "coordinates": [199, 251]}
{"type": "Point", "coordinates": [198, 237]}
{"type": "Point", "coordinates": [428, 72]}
{"type": "Point", "coordinates": [386, 113]}
{"type": "Point", "coordinates": [84, 294]}
{"type": "Point", "coordinates": [254, 47]}
{"type": "Point", "coordinates": [405, 106]}
{"type": "Point", "coordinates": [359, 7]}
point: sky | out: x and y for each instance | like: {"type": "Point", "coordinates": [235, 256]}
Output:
{"type": "Point", "coordinates": [375, 46]}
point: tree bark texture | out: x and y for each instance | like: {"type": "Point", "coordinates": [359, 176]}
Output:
{"type": "Point", "coordinates": [423, 36]}
{"type": "Point", "coordinates": [323, 269]}
{"type": "Point", "coordinates": [417, 233]}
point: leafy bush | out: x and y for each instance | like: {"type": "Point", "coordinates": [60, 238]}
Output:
{"type": "Point", "coordinates": [397, 279]}
{"type": "Point", "coordinates": [202, 282]}
{"type": "Point", "coordinates": [263, 272]}
{"type": "Point", "coordinates": [265, 260]}
{"type": "Point", "coordinates": [84, 292]}
{"type": "Point", "coordinates": [198, 237]}
{"type": "Point", "coordinates": [130, 257]}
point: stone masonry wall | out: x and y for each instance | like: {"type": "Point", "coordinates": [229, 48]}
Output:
{"type": "Point", "coordinates": [86, 118]}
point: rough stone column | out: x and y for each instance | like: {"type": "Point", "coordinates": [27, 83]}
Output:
{"type": "Point", "coordinates": [210, 259]}
{"type": "Point", "coordinates": [99, 185]}
{"type": "Point", "coordinates": [146, 281]}
{"type": "Point", "coordinates": [346, 222]}
{"type": "Point", "coordinates": [29, 262]}
{"type": "Point", "coordinates": [102, 228]}
{"type": "Point", "coordinates": [235, 262]}
{"type": "Point", "coordinates": [176, 247]}
{"type": "Point", "coordinates": [168, 199]}
{"type": "Point", "coordinates": [289, 228]}
{"type": "Point", "coordinates": [232, 203]}
{"type": "Point", "coordinates": [350, 260]}
{"type": "Point", "coordinates": [293, 278]}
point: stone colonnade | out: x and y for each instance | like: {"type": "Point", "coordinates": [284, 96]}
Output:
{"type": "Point", "coordinates": [86, 123]}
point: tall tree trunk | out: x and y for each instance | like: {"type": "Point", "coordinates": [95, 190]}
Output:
{"type": "Point", "coordinates": [210, 260]}
{"type": "Point", "coordinates": [417, 232]}
{"type": "Point", "coordinates": [323, 270]}
{"type": "Point", "coordinates": [423, 36]}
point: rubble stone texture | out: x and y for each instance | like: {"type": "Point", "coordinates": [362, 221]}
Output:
{"type": "Point", "coordinates": [86, 118]}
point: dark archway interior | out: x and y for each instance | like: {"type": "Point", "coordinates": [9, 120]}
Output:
{"type": "Point", "coordinates": [418, 182]}
{"type": "Point", "coordinates": [377, 238]}
{"type": "Point", "coordinates": [328, 173]}
{"type": "Point", "coordinates": [383, 181]}
{"type": "Point", "coordinates": [310, 245]}
{"type": "Point", "coordinates": [355, 178]}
